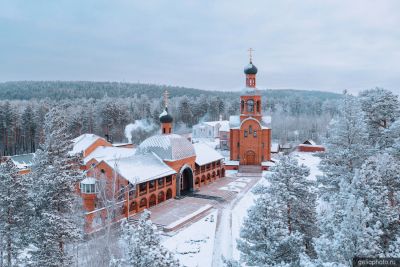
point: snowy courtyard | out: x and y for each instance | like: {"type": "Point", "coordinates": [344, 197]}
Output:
{"type": "Point", "coordinates": [204, 242]}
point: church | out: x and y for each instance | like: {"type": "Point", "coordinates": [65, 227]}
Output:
{"type": "Point", "coordinates": [162, 167]}
{"type": "Point", "coordinates": [250, 132]}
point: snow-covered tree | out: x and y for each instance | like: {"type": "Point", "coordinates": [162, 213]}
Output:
{"type": "Point", "coordinates": [142, 245]}
{"type": "Point", "coordinates": [13, 210]}
{"type": "Point", "coordinates": [54, 176]}
{"type": "Point", "coordinates": [347, 147]}
{"type": "Point", "coordinates": [381, 108]}
{"type": "Point", "coordinates": [265, 238]}
{"type": "Point", "coordinates": [350, 230]}
{"type": "Point", "coordinates": [281, 225]}
{"type": "Point", "coordinates": [379, 184]}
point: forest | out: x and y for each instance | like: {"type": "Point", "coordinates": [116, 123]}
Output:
{"type": "Point", "coordinates": [106, 108]}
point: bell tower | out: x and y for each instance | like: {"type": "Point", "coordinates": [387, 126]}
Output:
{"type": "Point", "coordinates": [250, 101]}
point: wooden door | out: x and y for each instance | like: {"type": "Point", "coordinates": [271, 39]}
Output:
{"type": "Point", "coordinates": [250, 158]}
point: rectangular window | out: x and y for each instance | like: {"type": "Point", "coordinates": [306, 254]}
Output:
{"type": "Point", "coordinates": [143, 187]}
{"type": "Point", "coordinates": [245, 133]}
{"type": "Point", "coordinates": [169, 179]}
{"type": "Point", "coordinates": [152, 185]}
{"type": "Point", "coordinates": [255, 134]}
{"type": "Point", "coordinates": [161, 182]}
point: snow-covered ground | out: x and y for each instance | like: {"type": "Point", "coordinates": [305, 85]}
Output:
{"type": "Point", "coordinates": [311, 161]}
{"type": "Point", "coordinates": [194, 245]}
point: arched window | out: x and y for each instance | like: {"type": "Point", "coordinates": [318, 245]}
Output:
{"type": "Point", "coordinates": [250, 105]}
{"type": "Point", "coordinates": [258, 106]}
{"type": "Point", "coordinates": [250, 129]}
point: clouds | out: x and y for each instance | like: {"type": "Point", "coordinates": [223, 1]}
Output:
{"type": "Point", "coordinates": [328, 45]}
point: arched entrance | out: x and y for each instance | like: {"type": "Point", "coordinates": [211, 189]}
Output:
{"type": "Point", "coordinates": [169, 193]}
{"type": "Point", "coordinates": [250, 158]}
{"type": "Point", "coordinates": [152, 201]}
{"type": "Point", "coordinates": [161, 196]}
{"type": "Point", "coordinates": [185, 181]}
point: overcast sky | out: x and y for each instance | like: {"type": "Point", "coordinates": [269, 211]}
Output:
{"type": "Point", "coordinates": [325, 45]}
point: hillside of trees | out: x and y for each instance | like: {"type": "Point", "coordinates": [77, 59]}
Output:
{"type": "Point", "coordinates": [105, 108]}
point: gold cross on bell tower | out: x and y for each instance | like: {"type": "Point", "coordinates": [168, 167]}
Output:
{"type": "Point", "coordinates": [166, 98]}
{"type": "Point", "coordinates": [251, 50]}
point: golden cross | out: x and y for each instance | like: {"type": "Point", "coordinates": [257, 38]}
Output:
{"type": "Point", "coordinates": [250, 53]}
{"type": "Point", "coordinates": [166, 98]}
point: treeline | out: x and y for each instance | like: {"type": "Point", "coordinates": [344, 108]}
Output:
{"type": "Point", "coordinates": [106, 108]}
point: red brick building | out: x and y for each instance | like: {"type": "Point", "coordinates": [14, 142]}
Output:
{"type": "Point", "coordinates": [162, 167]}
{"type": "Point", "coordinates": [250, 133]}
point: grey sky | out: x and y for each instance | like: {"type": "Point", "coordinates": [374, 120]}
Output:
{"type": "Point", "coordinates": [326, 45]}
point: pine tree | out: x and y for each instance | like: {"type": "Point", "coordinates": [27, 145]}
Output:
{"type": "Point", "coordinates": [347, 147]}
{"type": "Point", "coordinates": [54, 177]}
{"type": "Point", "coordinates": [353, 233]}
{"type": "Point", "coordinates": [265, 239]}
{"type": "Point", "coordinates": [142, 246]}
{"type": "Point", "coordinates": [379, 185]}
{"type": "Point", "coordinates": [381, 108]}
{"type": "Point", "coordinates": [281, 225]}
{"type": "Point", "coordinates": [13, 210]}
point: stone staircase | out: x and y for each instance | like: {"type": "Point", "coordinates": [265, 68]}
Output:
{"type": "Point", "coordinates": [249, 170]}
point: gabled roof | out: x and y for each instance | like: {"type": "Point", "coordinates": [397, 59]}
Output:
{"type": "Point", "coordinates": [23, 161]}
{"type": "Point", "coordinates": [168, 147]}
{"type": "Point", "coordinates": [140, 168]}
{"type": "Point", "coordinates": [234, 122]}
{"type": "Point", "coordinates": [309, 142]}
{"type": "Point", "coordinates": [107, 153]}
{"type": "Point", "coordinates": [214, 123]}
{"type": "Point", "coordinates": [206, 154]}
{"type": "Point", "coordinates": [83, 142]}
{"type": "Point", "coordinates": [274, 148]}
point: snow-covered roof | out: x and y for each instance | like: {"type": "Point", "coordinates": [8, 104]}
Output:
{"type": "Point", "coordinates": [234, 121]}
{"type": "Point", "coordinates": [309, 142]}
{"type": "Point", "coordinates": [232, 162]}
{"type": "Point", "coordinates": [167, 147]}
{"type": "Point", "coordinates": [23, 161]}
{"type": "Point", "coordinates": [89, 180]}
{"type": "Point", "coordinates": [206, 154]}
{"type": "Point", "coordinates": [274, 147]}
{"type": "Point", "coordinates": [141, 168]}
{"type": "Point", "coordinates": [81, 143]}
{"type": "Point", "coordinates": [109, 152]}
{"type": "Point", "coordinates": [164, 113]}
{"type": "Point", "coordinates": [267, 163]}
{"type": "Point", "coordinates": [214, 123]}
{"type": "Point", "coordinates": [224, 126]}
{"type": "Point", "coordinates": [250, 91]}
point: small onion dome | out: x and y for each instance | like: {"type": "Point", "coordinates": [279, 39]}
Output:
{"type": "Point", "coordinates": [250, 69]}
{"type": "Point", "coordinates": [165, 117]}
